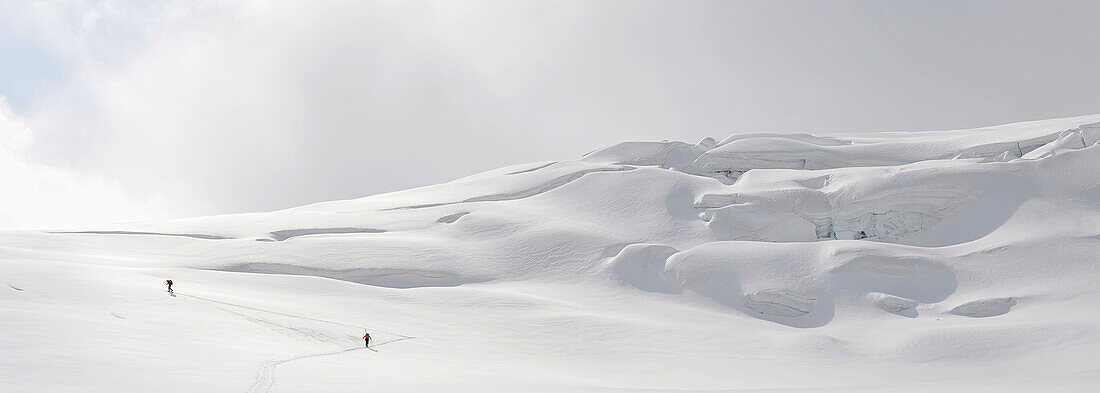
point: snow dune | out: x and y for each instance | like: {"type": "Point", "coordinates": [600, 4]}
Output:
{"type": "Point", "coordinates": [903, 261]}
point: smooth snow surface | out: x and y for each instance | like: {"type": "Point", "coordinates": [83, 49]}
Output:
{"type": "Point", "coordinates": [909, 261]}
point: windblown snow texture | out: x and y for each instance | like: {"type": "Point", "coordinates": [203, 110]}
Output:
{"type": "Point", "coordinates": [903, 261]}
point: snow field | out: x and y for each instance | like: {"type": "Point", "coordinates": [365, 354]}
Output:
{"type": "Point", "coordinates": [922, 261]}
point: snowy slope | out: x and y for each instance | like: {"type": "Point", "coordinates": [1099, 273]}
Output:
{"type": "Point", "coordinates": [905, 261]}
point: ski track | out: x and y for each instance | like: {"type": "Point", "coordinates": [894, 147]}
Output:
{"type": "Point", "coordinates": [293, 316]}
{"type": "Point", "coordinates": [265, 376]}
{"type": "Point", "coordinates": [310, 334]}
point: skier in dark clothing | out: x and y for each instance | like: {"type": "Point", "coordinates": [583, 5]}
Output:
{"type": "Point", "coordinates": [366, 339]}
{"type": "Point", "coordinates": [169, 285]}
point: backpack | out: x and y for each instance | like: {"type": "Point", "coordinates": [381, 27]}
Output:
{"type": "Point", "coordinates": [169, 282]}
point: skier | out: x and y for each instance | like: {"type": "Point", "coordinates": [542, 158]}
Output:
{"type": "Point", "coordinates": [169, 286]}
{"type": "Point", "coordinates": [366, 339]}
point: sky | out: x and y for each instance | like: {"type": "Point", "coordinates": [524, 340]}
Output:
{"type": "Point", "coordinates": [114, 111]}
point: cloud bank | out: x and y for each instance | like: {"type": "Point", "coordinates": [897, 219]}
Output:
{"type": "Point", "coordinates": [38, 196]}
{"type": "Point", "coordinates": [220, 107]}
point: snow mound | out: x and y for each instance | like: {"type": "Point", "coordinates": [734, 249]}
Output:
{"type": "Point", "coordinates": [660, 154]}
{"type": "Point", "coordinates": [643, 266]}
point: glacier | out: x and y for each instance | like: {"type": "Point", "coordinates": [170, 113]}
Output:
{"type": "Point", "coordinates": [896, 261]}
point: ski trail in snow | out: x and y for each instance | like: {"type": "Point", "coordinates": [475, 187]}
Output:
{"type": "Point", "coordinates": [311, 334]}
{"type": "Point", "coordinates": [265, 376]}
{"type": "Point", "coordinates": [293, 316]}
{"type": "Point", "coordinates": [391, 341]}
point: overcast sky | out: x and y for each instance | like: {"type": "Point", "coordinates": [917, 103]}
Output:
{"type": "Point", "coordinates": [120, 111]}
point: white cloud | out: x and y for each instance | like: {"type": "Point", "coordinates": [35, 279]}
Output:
{"type": "Point", "coordinates": [36, 196]}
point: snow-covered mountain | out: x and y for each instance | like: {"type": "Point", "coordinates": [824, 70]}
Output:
{"type": "Point", "coordinates": [902, 261]}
